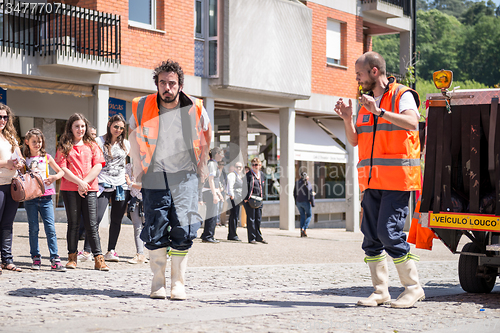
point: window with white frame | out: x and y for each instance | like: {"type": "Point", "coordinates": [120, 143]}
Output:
{"type": "Point", "coordinates": [142, 13]}
{"type": "Point", "coordinates": [333, 42]}
{"type": "Point", "coordinates": [206, 38]}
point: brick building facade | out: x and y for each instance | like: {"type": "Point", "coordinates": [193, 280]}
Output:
{"type": "Point", "coordinates": [269, 72]}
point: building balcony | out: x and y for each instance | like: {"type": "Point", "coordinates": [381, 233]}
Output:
{"type": "Point", "coordinates": [60, 35]}
{"type": "Point", "coordinates": [265, 48]}
{"type": "Point", "coordinates": [387, 8]}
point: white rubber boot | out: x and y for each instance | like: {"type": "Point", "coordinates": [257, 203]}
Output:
{"type": "Point", "coordinates": [178, 266]}
{"type": "Point", "coordinates": [380, 280]}
{"type": "Point", "coordinates": [158, 263]}
{"type": "Point", "coordinates": [408, 275]}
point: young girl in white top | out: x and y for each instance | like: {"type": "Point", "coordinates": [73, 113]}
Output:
{"type": "Point", "coordinates": [39, 161]}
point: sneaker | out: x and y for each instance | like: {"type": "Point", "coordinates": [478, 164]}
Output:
{"type": "Point", "coordinates": [138, 259]}
{"type": "Point", "coordinates": [111, 256]}
{"type": "Point", "coordinates": [84, 256]}
{"type": "Point", "coordinates": [37, 262]}
{"type": "Point", "coordinates": [55, 265]}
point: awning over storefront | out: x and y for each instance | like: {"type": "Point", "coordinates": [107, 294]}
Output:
{"type": "Point", "coordinates": [311, 142]}
{"type": "Point", "coordinates": [42, 86]}
{"type": "Point", "coordinates": [125, 95]}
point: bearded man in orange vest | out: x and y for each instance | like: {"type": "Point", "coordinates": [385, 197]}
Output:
{"type": "Point", "coordinates": [170, 139]}
{"type": "Point", "coordinates": [386, 133]}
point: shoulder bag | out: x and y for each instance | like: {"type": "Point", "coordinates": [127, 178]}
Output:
{"type": "Point", "coordinates": [255, 201]}
{"type": "Point", "coordinates": [26, 186]}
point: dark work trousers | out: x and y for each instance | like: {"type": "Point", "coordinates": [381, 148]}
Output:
{"type": "Point", "coordinates": [8, 209]}
{"type": "Point", "coordinates": [384, 215]}
{"type": "Point", "coordinates": [170, 210]}
{"type": "Point", "coordinates": [234, 214]}
{"type": "Point", "coordinates": [211, 216]}
{"type": "Point", "coordinates": [117, 211]}
{"type": "Point", "coordinates": [254, 216]}
{"type": "Point", "coordinates": [76, 206]}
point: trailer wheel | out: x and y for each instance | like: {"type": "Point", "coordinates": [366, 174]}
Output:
{"type": "Point", "coordinates": [468, 269]}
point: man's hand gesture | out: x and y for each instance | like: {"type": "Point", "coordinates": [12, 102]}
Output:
{"type": "Point", "coordinates": [344, 111]}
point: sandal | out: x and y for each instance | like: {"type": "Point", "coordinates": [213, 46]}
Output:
{"type": "Point", "coordinates": [11, 267]}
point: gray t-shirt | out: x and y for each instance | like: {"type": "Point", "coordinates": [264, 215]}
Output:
{"type": "Point", "coordinates": [171, 154]}
{"type": "Point", "coordinates": [113, 172]}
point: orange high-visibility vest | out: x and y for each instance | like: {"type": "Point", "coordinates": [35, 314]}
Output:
{"type": "Point", "coordinates": [389, 156]}
{"type": "Point", "coordinates": [146, 113]}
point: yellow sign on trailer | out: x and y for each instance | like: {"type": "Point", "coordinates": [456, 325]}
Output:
{"type": "Point", "coordinates": [464, 221]}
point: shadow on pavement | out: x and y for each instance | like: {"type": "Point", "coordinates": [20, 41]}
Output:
{"type": "Point", "coordinates": [487, 301]}
{"type": "Point", "coordinates": [347, 291]}
{"type": "Point", "coordinates": [34, 292]}
{"type": "Point", "coordinates": [282, 304]}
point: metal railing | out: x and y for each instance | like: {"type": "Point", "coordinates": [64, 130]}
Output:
{"type": "Point", "coordinates": [47, 28]}
{"type": "Point", "coordinates": [405, 4]}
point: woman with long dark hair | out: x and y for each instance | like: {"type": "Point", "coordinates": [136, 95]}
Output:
{"type": "Point", "coordinates": [112, 183]}
{"type": "Point", "coordinates": [81, 160]}
{"type": "Point", "coordinates": [10, 161]}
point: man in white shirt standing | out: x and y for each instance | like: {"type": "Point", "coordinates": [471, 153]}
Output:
{"type": "Point", "coordinates": [235, 187]}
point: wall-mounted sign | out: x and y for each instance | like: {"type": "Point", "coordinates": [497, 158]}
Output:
{"type": "Point", "coordinates": [3, 96]}
{"type": "Point", "coordinates": [117, 106]}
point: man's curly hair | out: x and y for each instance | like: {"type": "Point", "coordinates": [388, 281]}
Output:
{"type": "Point", "coordinates": [169, 66]}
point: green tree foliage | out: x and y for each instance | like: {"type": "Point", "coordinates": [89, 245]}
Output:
{"type": "Point", "coordinates": [437, 36]}
{"type": "Point", "coordinates": [388, 47]}
{"type": "Point", "coordinates": [422, 5]}
{"type": "Point", "coordinates": [449, 7]}
{"type": "Point", "coordinates": [479, 51]}
{"type": "Point", "coordinates": [477, 11]}
{"type": "Point", "coordinates": [464, 36]}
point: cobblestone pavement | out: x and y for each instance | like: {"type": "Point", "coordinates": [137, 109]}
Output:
{"type": "Point", "coordinates": [292, 284]}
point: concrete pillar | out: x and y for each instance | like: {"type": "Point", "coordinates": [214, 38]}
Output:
{"type": "Point", "coordinates": [101, 108]}
{"type": "Point", "coordinates": [287, 166]}
{"type": "Point", "coordinates": [353, 205]}
{"type": "Point", "coordinates": [210, 107]}
{"type": "Point", "coordinates": [310, 170]}
{"type": "Point", "coordinates": [238, 126]}
{"type": "Point", "coordinates": [48, 128]}
{"type": "Point", "coordinates": [404, 51]}
{"type": "Point", "coordinates": [101, 117]}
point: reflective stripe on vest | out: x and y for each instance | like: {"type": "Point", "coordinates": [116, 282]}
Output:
{"type": "Point", "coordinates": [389, 155]}
{"type": "Point", "coordinates": [390, 162]}
{"type": "Point", "coordinates": [381, 127]}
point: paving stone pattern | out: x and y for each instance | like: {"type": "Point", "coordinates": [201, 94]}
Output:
{"type": "Point", "coordinates": [292, 284]}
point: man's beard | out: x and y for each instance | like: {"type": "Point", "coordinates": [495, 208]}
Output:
{"type": "Point", "coordinates": [368, 85]}
{"type": "Point", "coordinates": [170, 100]}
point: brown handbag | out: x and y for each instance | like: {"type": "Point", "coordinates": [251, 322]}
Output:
{"type": "Point", "coordinates": [27, 186]}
